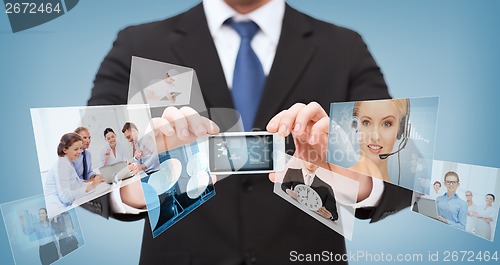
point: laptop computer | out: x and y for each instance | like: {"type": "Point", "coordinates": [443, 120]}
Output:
{"type": "Point", "coordinates": [115, 172]}
{"type": "Point", "coordinates": [427, 207]}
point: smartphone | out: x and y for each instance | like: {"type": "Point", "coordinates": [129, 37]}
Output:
{"type": "Point", "coordinates": [246, 153]}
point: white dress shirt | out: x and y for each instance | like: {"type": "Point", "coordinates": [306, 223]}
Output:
{"type": "Point", "coordinates": [269, 18]}
{"type": "Point", "coordinates": [62, 185]}
{"type": "Point", "coordinates": [122, 154]}
{"type": "Point", "coordinates": [308, 177]}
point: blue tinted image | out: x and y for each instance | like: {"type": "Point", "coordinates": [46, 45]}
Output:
{"type": "Point", "coordinates": [241, 153]}
{"type": "Point", "coordinates": [36, 239]}
{"type": "Point", "coordinates": [388, 139]}
{"type": "Point", "coordinates": [182, 184]}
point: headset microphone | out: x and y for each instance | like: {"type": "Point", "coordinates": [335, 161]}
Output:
{"type": "Point", "coordinates": [404, 132]}
{"type": "Point", "coordinates": [385, 156]}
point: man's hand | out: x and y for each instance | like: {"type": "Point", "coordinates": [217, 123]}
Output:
{"type": "Point", "coordinates": [178, 127]}
{"type": "Point", "coordinates": [291, 193]}
{"type": "Point", "coordinates": [175, 128]}
{"type": "Point", "coordinates": [92, 178]}
{"type": "Point", "coordinates": [98, 179]}
{"type": "Point", "coordinates": [138, 155]}
{"type": "Point", "coordinates": [325, 213]}
{"type": "Point", "coordinates": [309, 127]}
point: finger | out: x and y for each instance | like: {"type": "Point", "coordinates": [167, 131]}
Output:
{"type": "Point", "coordinates": [162, 130]}
{"type": "Point", "coordinates": [178, 120]}
{"type": "Point", "coordinates": [272, 177]}
{"type": "Point", "coordinates": [163, 126]}
{"type": "Point", "coordinates": [287, 119]}
{"type": "Point", "coordinates": [313, 112]}
{"type": "Point", "coordinates": [273, 124]}
{"type": "Point", "coordinates": [195, 122]}
{"type": "Point", "coordinates": [319, 131]}
{"type": "Point", "coordinates": [214, 178]}
{"type": "Point", "coordinates": [212, 128]}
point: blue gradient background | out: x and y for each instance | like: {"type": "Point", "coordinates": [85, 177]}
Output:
{"type": "Point", "coordinates": [446, 48]}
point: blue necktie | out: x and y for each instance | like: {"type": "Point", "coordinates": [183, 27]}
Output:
{"type": "Point", "coordinates": [248, 77]}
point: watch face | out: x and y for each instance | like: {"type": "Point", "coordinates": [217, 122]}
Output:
{"type": "Point", "coordinates": [308, 197]}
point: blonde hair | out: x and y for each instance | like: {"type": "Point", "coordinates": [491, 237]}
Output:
{"type": "Point", "coordinates": [400, 103]}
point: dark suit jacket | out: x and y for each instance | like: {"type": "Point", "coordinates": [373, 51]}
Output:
{"type": "Point", "coordinates": [245, 222]}
{"type": "Point", "coordinates": [294, 177]}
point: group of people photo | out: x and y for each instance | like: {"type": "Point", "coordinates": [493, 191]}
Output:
{"type": "Point", "coordinates": [92, 160]}
{"type": "Point", "coordinates": [29, 227]}
{"type": "Point", "coordinates": [456, 194]}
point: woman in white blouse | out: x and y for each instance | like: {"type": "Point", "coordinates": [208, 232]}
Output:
{"type": "Point", "coordinates": [113, 152]}
{"type": "Point", "coordinates": [63, 186]}
{"type": "Point", "coordinates": [485, 217]}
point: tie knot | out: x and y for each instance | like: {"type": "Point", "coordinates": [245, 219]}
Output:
{"type": "Point", "coordinates": [246, 29]}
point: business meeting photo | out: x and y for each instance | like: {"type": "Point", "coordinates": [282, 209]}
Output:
{"type": "Point", "coordinates": [99, 149]}
{"type": "Point", "coordinates": [463, 197]}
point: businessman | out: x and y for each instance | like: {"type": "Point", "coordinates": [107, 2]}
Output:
{"type": "Point", "coordinates": [144, 149]}
{"type": "Point", "coordinates": [286, 57]}
{"type": "Point", "coordinates": [83, 164]}
{"type": "Point", "coordinates": [307, 175]}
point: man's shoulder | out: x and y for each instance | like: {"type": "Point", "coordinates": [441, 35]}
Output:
{"type": "Point", "coordinates": [150, 28]}
{"type": "Point", "coordinates": [441, 197]}
{"type": "Point", "coordinates": [294, 170]}
{"type": "Point", "coordinates": [164, 26]}
{"type": "Point", "coordinates": [320, 28]}
{"type": "Point", "coordinates": [292, 174]}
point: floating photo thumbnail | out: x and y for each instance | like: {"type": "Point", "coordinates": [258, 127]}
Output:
{"type": "Point", "coordinates": [391, 139]}
{"type": "Point", "coordinates": [182, 184]}
{"type": "Point", "coordinates": [159, 84]}
{"type": "Point", "coordinates": [37, 239]}
{"type": "Point", "coordinates": [462, 196]}
{"type": "Point", "coordinates": [85, 152]}
{"type": "Point", "coordinates": [324, 195]}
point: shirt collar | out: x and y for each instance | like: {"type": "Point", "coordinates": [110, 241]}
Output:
{"type": "Point", "coordinates": [268, 17]}
{"type": "Point", "coordinates": [305, 172]}
{"type": "Point", "coordinates": [452, 197]}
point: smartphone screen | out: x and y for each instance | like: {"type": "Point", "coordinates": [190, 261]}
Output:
{"type": "Point", "coordinates": [241, 153]}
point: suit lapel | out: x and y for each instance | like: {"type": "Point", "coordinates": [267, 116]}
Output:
{"type": "Point", "coordinates": [294, 51]}
{"type": "Point", "coordinates": [195, 48]}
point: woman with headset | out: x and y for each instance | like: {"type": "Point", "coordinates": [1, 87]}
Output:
{"type": "Point", "coordinates": [380, 124]}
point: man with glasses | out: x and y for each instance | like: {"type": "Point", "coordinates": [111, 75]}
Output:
{"type": "Point", "coordinates": [451, 209]}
